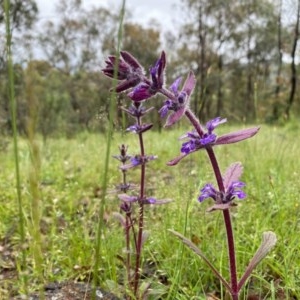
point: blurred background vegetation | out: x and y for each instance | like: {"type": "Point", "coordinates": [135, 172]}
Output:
{"type": "Point", "coordinates": [243, 52]}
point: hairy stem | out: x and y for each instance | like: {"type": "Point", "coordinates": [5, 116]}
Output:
{"type": "Point", "coordinates": [127, 237]}
{"type": "Point", "coordinates": [226, 213]}
{"type": "Point", "coordinates": [193, 119]}
{"type": "Point", "coordinates": [227, 221]}
{"type": "Point", "coordinates": [141, 215]}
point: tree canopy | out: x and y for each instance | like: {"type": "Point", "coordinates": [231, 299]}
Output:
{"type": "Point", "coordinates": [244, 54]}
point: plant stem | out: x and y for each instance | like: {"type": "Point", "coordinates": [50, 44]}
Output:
{"type": "Point", "coordinates": [34, 178]}
{"type": "Point", "coordinates": [141, 215]}
{"type": "Point", "coordinates": [193, 119]}
{"type": "Point", "coordinates": [11, 88]}
{"type": "Point", "coordinates": [226, 213]}
{"type": "Point", "coordinates": [112, 109]}
{"type": "Point", "coordinates": [228, 225]}
{"type": "Point", "coordinates": [128, 256]}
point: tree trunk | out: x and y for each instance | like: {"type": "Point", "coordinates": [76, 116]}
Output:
{"type": "Point", "coordinates": [293, 66]}
{"type": "Point", "coordinates": [202, 66]}
{"type": "Point", "coordinates": [220, 86]}
{"type": "Point", "coordinates": [220, 68]}
{"type": "Point", "coordinates": [249, 86]}
{"type": "Point", "coordinates": [278, 77]}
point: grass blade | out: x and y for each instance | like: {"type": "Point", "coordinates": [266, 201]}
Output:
{"type": "Point", "coordinates": [11, 92]}
{"type": "Point", "coordinates": [112, 109]}
{"type": "Point", "coordinates": [196, 250]}
{"type": "Point", "coordinates": [268, 242]}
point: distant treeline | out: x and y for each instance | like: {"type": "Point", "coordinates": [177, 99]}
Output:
{"type": "Point", "coordinates": [244, 54]}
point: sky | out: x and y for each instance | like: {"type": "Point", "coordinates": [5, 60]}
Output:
{"type": "Point", "coordinates": [164, 11]}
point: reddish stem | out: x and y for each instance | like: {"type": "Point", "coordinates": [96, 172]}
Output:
{"type": "Point", "coordinates": [228, 225]}
{"type": "Point", "coordinates": [141, 217]}
{"type": "Point", "coordinates": [226, 213]}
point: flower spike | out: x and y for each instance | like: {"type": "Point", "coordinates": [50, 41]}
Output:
{"type": "Point", "coordinates": [146, 90]}
{"type": "Point", "coordinates": [209, 139]}
{"type": "Point", "coordinates": [233, 189]}
{"type": "Point", "coordinates": [181, 99]}
{"type": "Point", "coordinates": [127, 69]}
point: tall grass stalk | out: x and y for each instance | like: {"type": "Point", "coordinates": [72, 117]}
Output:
{"type": "Point", "coordinates": [179, 262]}
{"type": "Point", "coordinates": [11, 92]}
{"type": "Point", "coordinates": [112, 110]}
{"type": "Point", "coordinates": [34, 178]}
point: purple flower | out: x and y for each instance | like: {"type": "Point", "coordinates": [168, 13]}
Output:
{"type": "Point", "coordinates": [137, 161]}
{"type": "Point", "coordinates": [123, 156]}
{"type": "Point", "coordinates": [171, 104]}
{"type": "Point", "coordinates": [212, 124]}
{"type": "Point", "coordinates": [168, 105]}
{"type": "Point", "coordinates": [127, 198]}
{"type": "Point", "coordinates": [146, 200]}
{"type": "Point", "coordinates": [180, 99]}
{"type": "Point", "coordinates": [141, 92]}
{"type": "Point", "coordinates": [123, 187]}
{"type": "Point", "coordinates": [137, 110]}
{"type": "Point", "coordinates": [145, 90]}
{"type": "Point", "coordinates": [208, 191]}
{"type": "Point", "coordinates": [128, 70]}
{"type": "Point", "coordinates": [196, 142]}
{"type": "Point", "coordinates": [126, 207]}
{"type": "Point", "coordinates": [233, 191]}
{"type": "Point", "coordinates": [157, 72]}
{"type": "Point", "coordinates": [139, 128]}
{"type": "Point", "coordinates": [209, 139]}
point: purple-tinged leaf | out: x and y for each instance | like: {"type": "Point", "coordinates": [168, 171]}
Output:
{"type": "Point", "coordinates": [175, 116]}
{"type": "Point", "coordinates": [140, 92]}
{"type": "Point", "coordinates": [177, 159]}
{"type": "Point", "coordinates": [139, 128]}
{"type": "Point", "coordinates": [127, 198]}
{"type": "Point", "coordinates": [152, 200]}
{"type": "Point", "coordinates": [268, 242]}
{"type": "Point", "coordinates": [146, 127]}
{"type": "Point", "coordinates": [148, 110]}
{"type": "Point", "coordinates": [237, 136]}
{"type": "Point", "coordinates": [149, 200]}
{"type": "Point", "coordinates": [222, 206]}
{"type": "Point", "coordinates": [233, 173]}
{"type": "Point", "coordinates": [145, 236]}
{"type": "Point", "coordinates": [136, 112]}
{"type": "Point", "coordinates": [196, 250]}
{"type": "Point", "coordinates": [131, 60]}
{"type": "Point", "coordinates": [162, 201]}
{"type": "Point", "coordinates": [120, 218]}
{"type": "Point", "coordinates": [127, 166]}
{"type": "Point", "coordinates": [189, 83]}
{"type": "Point", "coordinates": [127, 84]}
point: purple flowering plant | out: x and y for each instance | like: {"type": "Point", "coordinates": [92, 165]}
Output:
{"type": "Point", "coordinates": [228, 188]}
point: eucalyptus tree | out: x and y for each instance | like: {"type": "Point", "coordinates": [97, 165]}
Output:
{"type": "Point", "coordinates": [293, 79]}
{"type": "Point", "coordinates": [23, 14]}
{"type": "Point", "coordinates": [232, 46]}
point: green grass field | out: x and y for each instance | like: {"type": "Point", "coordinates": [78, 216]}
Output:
{"type": "Point", "coordinates": [69, 199]}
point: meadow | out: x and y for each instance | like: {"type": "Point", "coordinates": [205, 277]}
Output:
{"type": "Point", "coordinates": [69, 177]}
